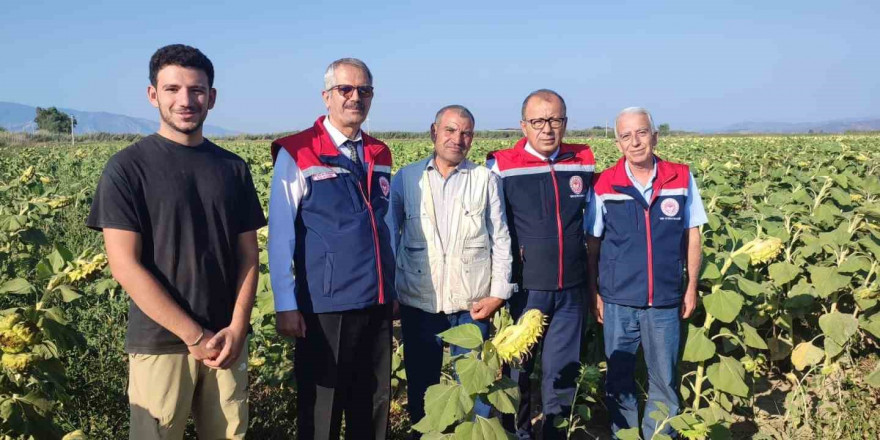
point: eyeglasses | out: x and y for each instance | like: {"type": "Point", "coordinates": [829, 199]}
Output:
{"type": "Point", "coordinates": [539, 123]}
{"type": "Point", "coordinates": [346, 90]}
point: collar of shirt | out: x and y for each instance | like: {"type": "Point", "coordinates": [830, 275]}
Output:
{"type": "Point", "coordinates": [647, 190]}
{"type": "Point", "coordinates": [535, 153]}
{"type": "Point", "coordinates": [462, 167]}
{"type": "Point", "coordinates": [336, 136]}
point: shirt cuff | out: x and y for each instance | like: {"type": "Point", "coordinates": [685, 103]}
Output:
{"type": "Point", "coordinates": [285, 303]}
{"type": "Point", "coordinates": [502, 290]}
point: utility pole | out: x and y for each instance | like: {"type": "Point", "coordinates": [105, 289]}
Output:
{"type": "Point", "coordinates": [606, 128]}
{"type": "Point", "coordinates": [72, 124]}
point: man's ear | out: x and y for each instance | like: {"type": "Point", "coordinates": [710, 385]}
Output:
{"type": "Point", "coordinates": [325, 95]}
{"type": "Point", "coordinates": [152, 96]}
{"type": "Point", "coordinates": [212, 98]}
{"type": "Point", "coordinates": [522, 126]}
{"type": "Point", "coordinates": [433, 132]}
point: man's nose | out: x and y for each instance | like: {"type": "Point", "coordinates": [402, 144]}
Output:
{"type": "Point", "coordinates": [187, 98]}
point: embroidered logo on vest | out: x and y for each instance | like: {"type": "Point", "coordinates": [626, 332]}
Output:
{"type": "Point", "coordinates": [322, 176]}
{"type": "Point", "coordinates": [669, 207]}
{"type": "Point", "coordinates": [384, 185]}
{"type": "Point", "coordinates": [576, 184]}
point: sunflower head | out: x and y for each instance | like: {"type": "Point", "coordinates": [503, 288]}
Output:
{"type": "Point", "coordinates": [515, 341]}
{"type": "Point", "coordinates": [762, 250]}
{"type": "Point", "coordinates": [18, 362]}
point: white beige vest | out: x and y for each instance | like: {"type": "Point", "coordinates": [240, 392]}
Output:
{"type": "Point", "coordinates": [427, 277]}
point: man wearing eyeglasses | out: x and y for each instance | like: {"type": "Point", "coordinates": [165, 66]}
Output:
{"type": "Point", "coordinates": [545, 185]}
{"type": "Point", "coordinates": [644, 213]}
{"type": "Point", "coordinates": [331, 263]}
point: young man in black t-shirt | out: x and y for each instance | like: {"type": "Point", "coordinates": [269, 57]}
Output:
{"type": "Point", "coordinates": [179, 216]}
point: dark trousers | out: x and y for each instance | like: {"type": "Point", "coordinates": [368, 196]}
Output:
{"type": "Point", "coordinates": [343, 365]}
{"type": "Point", "coordinates": [560, 357]}
{"type": "Point", "coordinates": [423, 353]}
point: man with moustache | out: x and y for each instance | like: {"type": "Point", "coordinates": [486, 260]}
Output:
{"type": "Point", "coordinates": [331, 263]}
{"type": "Point", "coordinates": [643, 220]}
{"type": "Point", "coordinates": [545, 186]}
{"type": "Point", "coordinates": [452, 247]}
{"type": "Point", "coordinates": [191, 276]}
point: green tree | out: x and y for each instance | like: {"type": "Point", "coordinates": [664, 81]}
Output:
{"type": "Point", "coordinates": [53, 120]}
{"type": "Point", "coordinates": [664, 129]}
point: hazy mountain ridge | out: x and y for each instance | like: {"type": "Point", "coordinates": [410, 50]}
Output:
{"type": "Point", "coordinates": [20, 117]}
{"type": "Point", "coordinates": [833, 126]}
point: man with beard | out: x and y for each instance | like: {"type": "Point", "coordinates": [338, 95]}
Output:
{"type": "Point", "coordinates": [453, 250]}
{"type": "Point", "coordinates": [179, 217]}
{"type": "Point", "coordinates": [331, 264]}
{"type": "Point", "coordinates": [545, 188]}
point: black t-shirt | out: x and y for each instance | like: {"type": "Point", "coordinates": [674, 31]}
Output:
{"type": "Point", "coordinates": [189, 204]}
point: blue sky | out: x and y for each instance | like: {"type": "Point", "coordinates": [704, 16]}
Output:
{"type": "Point", "coordinates": [696, 65]}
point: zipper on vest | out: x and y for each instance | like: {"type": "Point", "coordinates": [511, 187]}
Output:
{"type": "Point", "coordinates": [375, 242]}
{"type": "Point", "coordinates": [558, 221]}
{"type": "Point", "coordinates": [650, 259]}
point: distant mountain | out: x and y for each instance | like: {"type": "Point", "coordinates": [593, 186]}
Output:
{"type": "Point", "coordinates": [20, 117]}
{"type": "Point", "coordinates": [834, 126]}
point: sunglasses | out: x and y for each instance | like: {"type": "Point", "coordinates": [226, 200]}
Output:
{"type": "Point", "coordinates": [346, 90]}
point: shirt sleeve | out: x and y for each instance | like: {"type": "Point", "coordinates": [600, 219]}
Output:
{"type": "Point", "coordinates": [694, 210]}
{"type": "Point", "coordinates": [594, 215]}
{"type": "Point", "coordinates": [114, 204]}
{"type": "Point", "coordinates": [496, 225]}
{"type": "Point", "coordinates": [288, 189]}
{"type": "Point", "coordinates": [396, 215]}
{"type": "Point", "coordinates": [249, 205]}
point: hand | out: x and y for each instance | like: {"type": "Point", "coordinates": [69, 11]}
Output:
{"type": "Point", "coordinates": [395, 310]}
{"type": "Point", "coordinates": [598, 308]}
{"type": "Point", "coordinates": [201, 351]}
{"type": "Point", "coordinates": [230, 342]}
{"type": "Point", "coordinates": [689, 303]}
{"type": "Point", "coordinates": [291, 324]}
{"type": "Point", "coordinates": [485, 308]}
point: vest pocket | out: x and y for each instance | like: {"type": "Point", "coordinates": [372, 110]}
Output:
{"type": "Point", "coordinates": [472, 221]}
{"type": "Point", "coordinates": [329, 259]}
{"type": "Point", "coordinates": [475, 279]}
{"type": "Point", "coordinates": [413, 279]}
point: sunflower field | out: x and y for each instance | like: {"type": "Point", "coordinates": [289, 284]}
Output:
{"type": "Point", "coordinates": [784, 342]}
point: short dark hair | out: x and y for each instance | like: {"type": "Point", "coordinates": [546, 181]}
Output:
{"type": "Point", "coordinates": [458, 109]}
{"type": "Point", "coordinates": [183, 56]}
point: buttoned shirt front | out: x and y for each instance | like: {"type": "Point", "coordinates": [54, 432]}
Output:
{"type": "Point", "coordinates": [443, 191]}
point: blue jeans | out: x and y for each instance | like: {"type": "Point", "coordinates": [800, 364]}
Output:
{"type": "Point", "coordinates": [423, 353]}
{"type": "Point", "coordinates": [658, 332]}
{"type": "Point", "coordinates": [560, 358]}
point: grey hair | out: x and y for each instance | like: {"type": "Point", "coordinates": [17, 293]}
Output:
{"type": "Point", "coordinates": [634, 111]}
{"type": "Point", "coordinates": [459, 109]}
{"type": "Point", "coordinates": [329, 74]}
{"type": "Point", "coordinates": [545, 94]}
